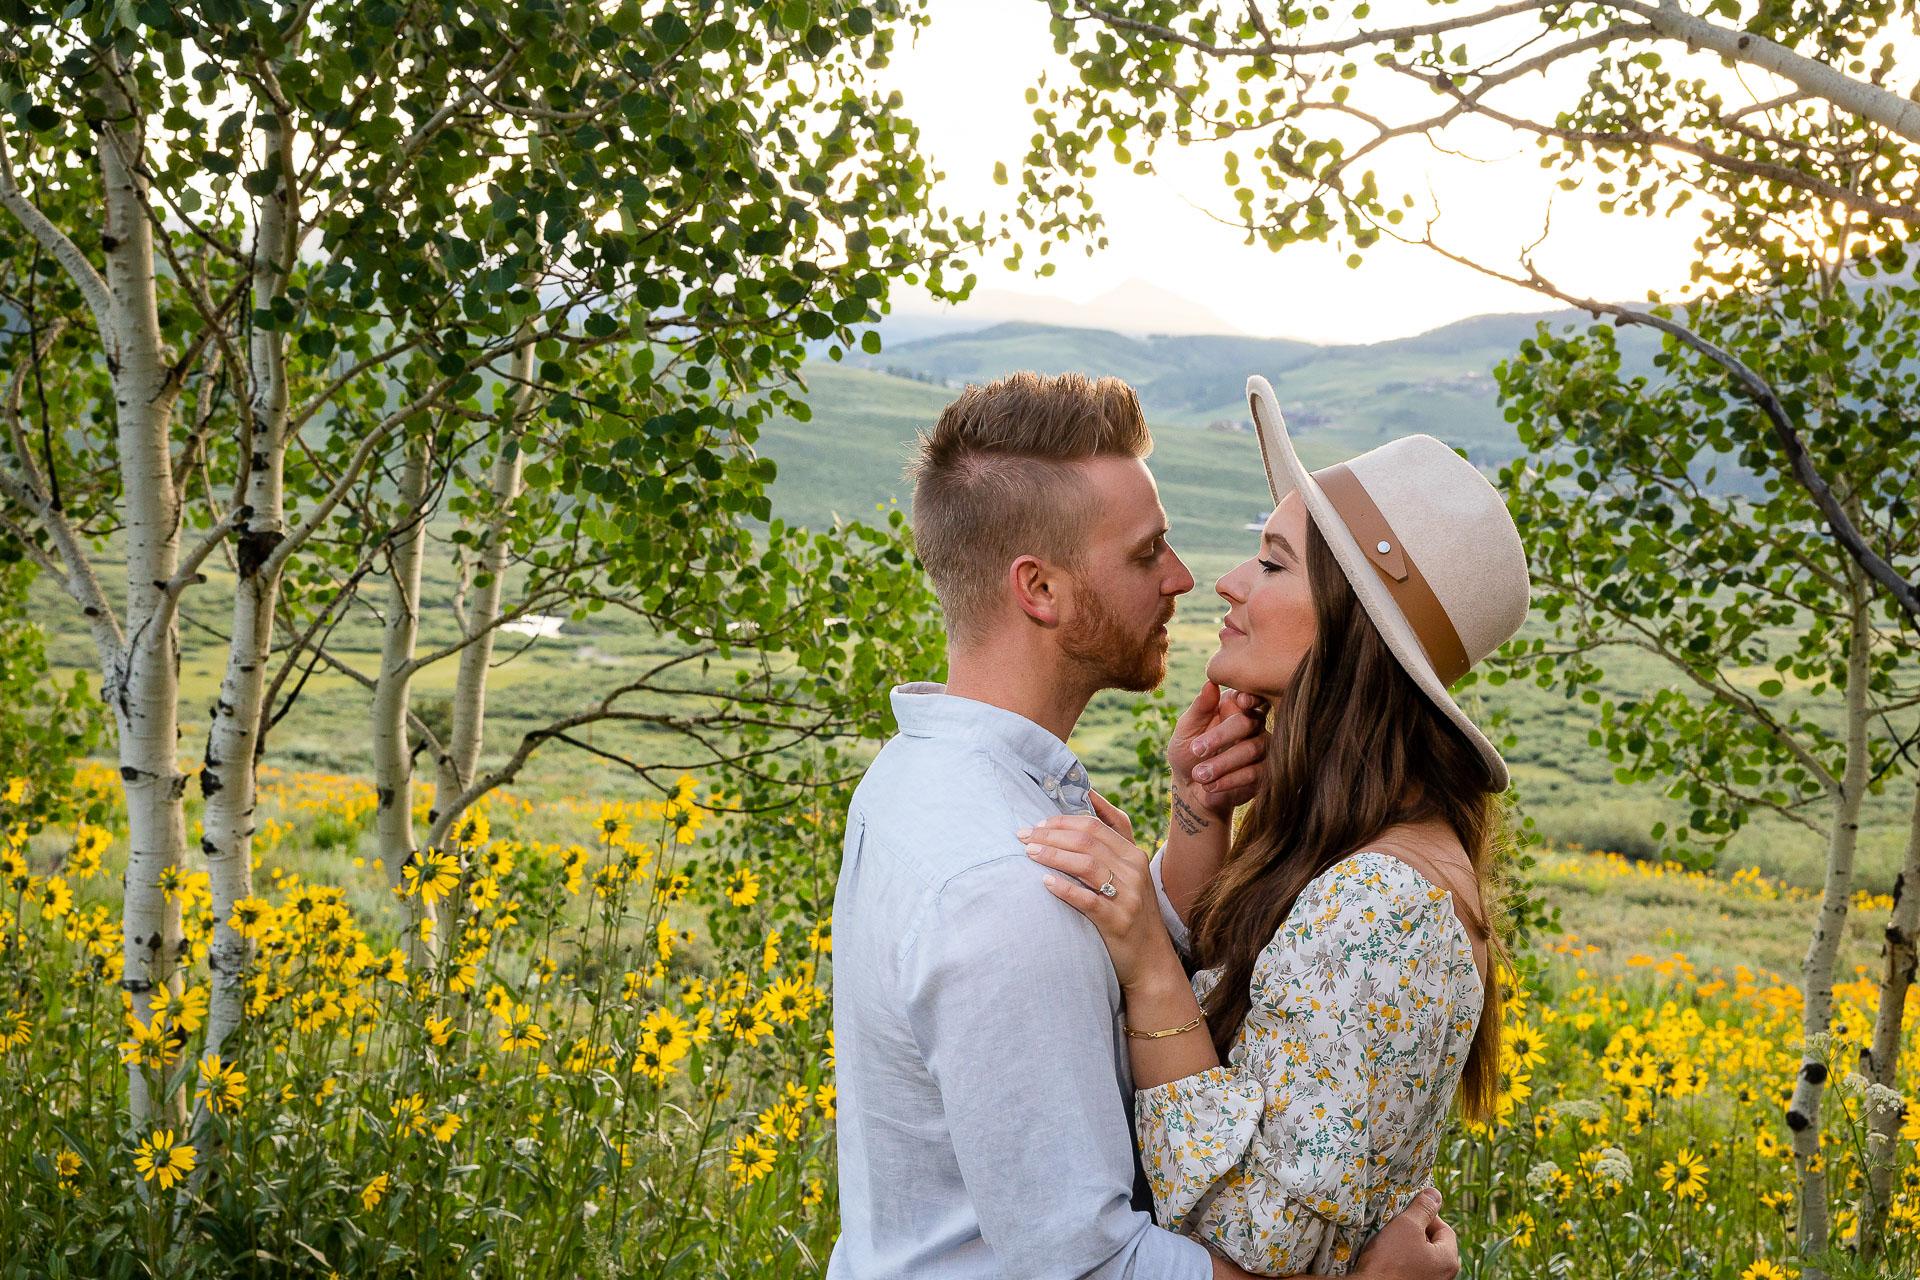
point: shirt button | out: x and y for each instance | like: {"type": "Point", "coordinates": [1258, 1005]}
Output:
{"type": "Point", "coordinates": [1051, 785]}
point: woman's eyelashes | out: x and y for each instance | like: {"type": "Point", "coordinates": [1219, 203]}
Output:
{"type": "Point", "coordinates": [1270, 566]}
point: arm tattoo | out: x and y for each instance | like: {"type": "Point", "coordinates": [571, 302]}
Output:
{"type": "Point", "coordinates": [1191, 821]}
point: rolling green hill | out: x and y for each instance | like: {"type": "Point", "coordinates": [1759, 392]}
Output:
{"type": "Point", "coordinates": [851, 458]}
{"type": "Point", "coordinates": [1339, 401]}
{"type": "Point", "coordinates": [1440, 382]}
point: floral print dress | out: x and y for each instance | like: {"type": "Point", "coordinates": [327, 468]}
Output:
{"type": "Point", "coordinates": [1326, 1118]}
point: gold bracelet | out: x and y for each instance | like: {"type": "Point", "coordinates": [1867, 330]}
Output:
{"type": "Point", "coordinates": [1161, 1035]}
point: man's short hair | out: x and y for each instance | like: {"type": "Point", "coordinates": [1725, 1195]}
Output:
{"type": "Point", "coordinates": [996, 479]}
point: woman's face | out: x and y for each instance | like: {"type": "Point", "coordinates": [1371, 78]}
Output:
{"type": "Point", "coordinates": [1270, 621]}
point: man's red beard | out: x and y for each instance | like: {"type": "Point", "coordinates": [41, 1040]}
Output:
{"type": "Point", "coordinates": [1098, 640]}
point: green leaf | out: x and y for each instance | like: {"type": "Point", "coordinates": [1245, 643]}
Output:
{"type": "Point", "coordinates": [670, 28]}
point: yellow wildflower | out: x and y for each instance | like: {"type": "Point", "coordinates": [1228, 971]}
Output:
{"type": "Point", "coordinates": [221, 1085]}
{"type": "Point", "coordinates": [743, 886]}
{"type": "Point", "coordinates": [159, 1160]}
{"type": "Point", "coordinates": [752, 1158]}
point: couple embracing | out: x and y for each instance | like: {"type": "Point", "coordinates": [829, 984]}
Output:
{"type": "Point", "coordinates": [1060, 1055]}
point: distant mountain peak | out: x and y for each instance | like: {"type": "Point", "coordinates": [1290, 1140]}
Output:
{"type": "Point", "coordinates": [1135, 308]}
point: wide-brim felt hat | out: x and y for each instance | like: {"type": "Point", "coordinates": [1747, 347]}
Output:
{"type": "Point", "coordinates": [1427, 545]}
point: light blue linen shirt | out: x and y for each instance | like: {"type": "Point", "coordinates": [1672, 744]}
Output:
{"type": "Point", "coordinates": [984, 1085]}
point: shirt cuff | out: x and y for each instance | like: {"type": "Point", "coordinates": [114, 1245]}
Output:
{"type": "Point", "coordinates": [1176, 1257]}
{"type": "Point", "coordinates": [1176, 927]}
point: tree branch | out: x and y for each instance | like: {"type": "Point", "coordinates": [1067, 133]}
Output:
{"type": "Point", "coordinates": [1758, 389]}
{"type": "Point", "coordinates": [92, 285]}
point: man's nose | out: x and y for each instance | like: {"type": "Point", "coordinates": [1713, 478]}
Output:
{"type": "Point", "coordinates": [1182, 578]}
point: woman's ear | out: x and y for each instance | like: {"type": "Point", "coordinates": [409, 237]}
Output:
{"type": "Point", "coordinates": [1037, 587]}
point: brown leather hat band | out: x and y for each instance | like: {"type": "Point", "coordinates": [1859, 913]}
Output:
{"type": "Point", "coordinates": [1402, 577]}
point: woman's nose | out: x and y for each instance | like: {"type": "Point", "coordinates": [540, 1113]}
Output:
{"type": "Point", "coordinates": [1228, 588]}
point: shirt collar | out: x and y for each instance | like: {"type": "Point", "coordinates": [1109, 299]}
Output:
{"type": "Point", "coordinates": [925, 709]}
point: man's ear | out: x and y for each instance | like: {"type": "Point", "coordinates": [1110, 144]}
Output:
{"type": "Point", "coordinates": [1036, 589]}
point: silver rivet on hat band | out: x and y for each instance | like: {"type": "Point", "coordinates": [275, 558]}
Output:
{"type": "Point", "coordinates": [1383, 546]}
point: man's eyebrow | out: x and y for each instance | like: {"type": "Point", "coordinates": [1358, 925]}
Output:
{"type": "Point", "coordinates": [1281, 541]}
{"type": "Point", "coordinates": [1155, 536]}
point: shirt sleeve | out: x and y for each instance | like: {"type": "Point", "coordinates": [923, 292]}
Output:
{"type": "Point", "coordinates": [1267, 1159]}
{"type": "Point", "coordinates": [1012, 1002]}
{"type": "Point", "coordinates": [1176, 927]}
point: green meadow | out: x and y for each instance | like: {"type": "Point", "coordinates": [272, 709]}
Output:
{"type": "Point", "coordinates": [848, 464]}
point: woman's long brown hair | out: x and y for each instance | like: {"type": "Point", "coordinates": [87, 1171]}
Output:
{"type": "Point", "coordinates": [1357, 748]}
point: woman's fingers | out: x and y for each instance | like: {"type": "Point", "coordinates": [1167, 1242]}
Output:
{"type": "Point", "coordinates": [1084, 834]}
{"type": "Point", "coordinates": [1200, 713]}
{"type": "Point", "coordinates": [1075, 895]}
{"type": "Point", "coordinates": [1235, 728]}
{"type": "Point", "coordinates": [1083, 866]}
{"type": "Point", "coordinates": [1218, 767]}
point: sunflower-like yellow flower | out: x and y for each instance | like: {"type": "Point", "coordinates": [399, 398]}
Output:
{"type": "Point", "coordinates": [612, 825]}
{"type": "Point", "coordinates": [149, 1045]}
{"type": "Point", "coordinates": [483, 894]}
{"type": "Point", "coordinates": [787, 1000]}
{"type": "Point", "coordinates": [743, 886]}
{"type": "Point", "coordinates": [370, 1194]}
{"type": "Point", "coordinates": [54, 898]}
{"type": "Point", "coordinates": [747, 1022]}
{"type": "Point", "coordinates": [409, 1115]}
{"type": "Point", "coordinates": [16, 1029]}
{"type": "Point", "coordinates": [668, 1033]}
{"type": "Point", "coordinates": [222, 1086]}
{"type": "Point", "coordinates": [432, 877]}
{"type": "Point", "coordinates": [1763, 1269]}
{"type": "Point", "coordinates": [1685, 1176]}
{"type": "Point", "coordinates": [252, 917]}
{"type": "Point", "coordinates": [518, 1030]}
{"type": "Point", "coordinates": [472, 830]}
{"type": "Point", "coordinates": [751, 1159]}
{"type": "Point", "coordinates": [159, 1160]}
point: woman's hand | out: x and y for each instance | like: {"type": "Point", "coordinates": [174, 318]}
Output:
{"type": "Point", "coordinates": [1216, 751]}
{"type": "Point", "coordinates": [1091, 852]}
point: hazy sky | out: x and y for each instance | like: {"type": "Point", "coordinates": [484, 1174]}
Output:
{"type": "Point", "coordinates": [964, 84]}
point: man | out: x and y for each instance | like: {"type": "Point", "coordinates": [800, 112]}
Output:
{"type": "Point", "coordinates": [984, 1094]}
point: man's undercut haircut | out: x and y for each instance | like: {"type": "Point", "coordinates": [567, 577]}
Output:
{"type": "Point", "coordinates": [997, 479]}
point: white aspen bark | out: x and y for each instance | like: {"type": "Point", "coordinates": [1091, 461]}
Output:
{"type": "Point", "coordinates": [392, 756]}
{"type": "Point", "coordinates": [145, 699]}
{"type": "Point", "coordinates": [230, 776]}
{"type": "Point", "coordinates": [470, 687]}
{"type": "Point", "coordinates": [1816, 970]}
{"type": "Point", "coordinates": [1880, 1062]}
{"type": "Point", "coordinates": [1818, 79]}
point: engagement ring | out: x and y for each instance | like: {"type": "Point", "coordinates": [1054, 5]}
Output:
{"type": "Point", "coordinates": [1107, 889]}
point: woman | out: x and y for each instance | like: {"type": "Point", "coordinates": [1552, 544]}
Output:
{"type": "Point", "coordinates": [1291, 1098]}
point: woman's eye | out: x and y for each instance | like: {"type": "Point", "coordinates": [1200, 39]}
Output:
{"type": "Point", "coordinates": [1270, 567]}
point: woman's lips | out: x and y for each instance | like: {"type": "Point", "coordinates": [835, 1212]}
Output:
{"type": "Point", "coordinates": [1228, 629]}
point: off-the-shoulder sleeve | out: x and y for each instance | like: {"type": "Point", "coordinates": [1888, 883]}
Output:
{"type": "Point", "coordinates": [1267, 1159]}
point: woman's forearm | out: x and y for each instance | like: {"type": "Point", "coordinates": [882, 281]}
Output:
{"type": "Point", "coordinates": [1197, 840]}
{"type": "Point", "coordinates": [1160, 1003]}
